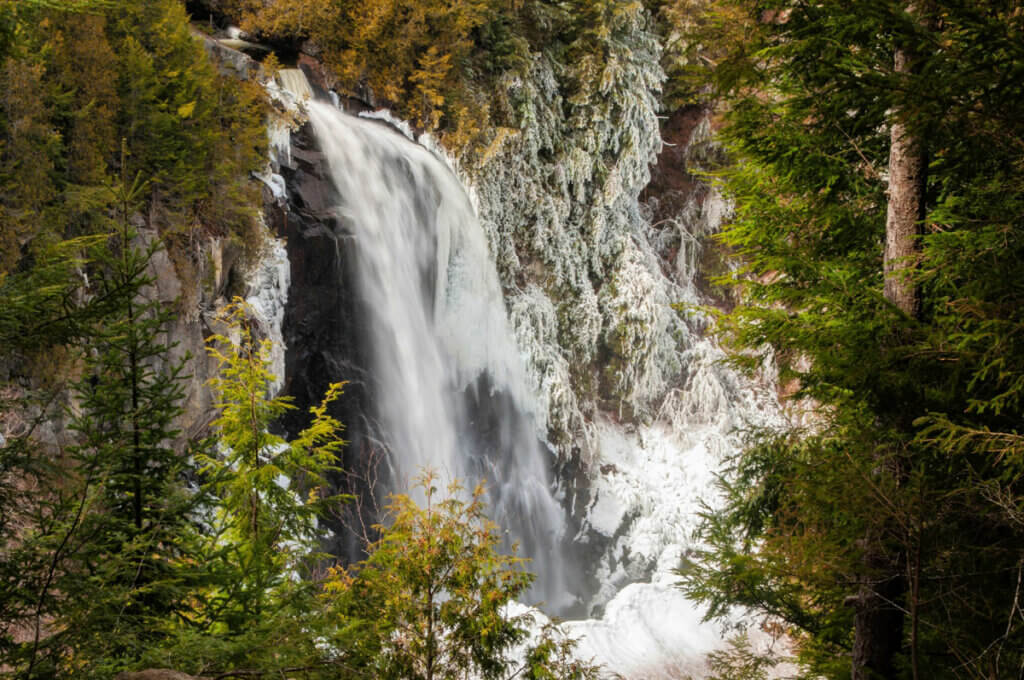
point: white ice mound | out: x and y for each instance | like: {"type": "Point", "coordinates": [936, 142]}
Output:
{"type": "Point", "coordinates": [648, 631]}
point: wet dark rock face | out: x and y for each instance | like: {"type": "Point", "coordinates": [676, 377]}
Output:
{"type": "Point", "coordinates": [321, 333]}
{"type": "Point", "coordinates": [673, 183]}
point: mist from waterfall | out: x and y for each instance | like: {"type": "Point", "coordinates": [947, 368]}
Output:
{"type": "Point", "coordinates": [450, 392]}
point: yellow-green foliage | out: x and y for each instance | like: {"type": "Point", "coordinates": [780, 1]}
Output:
{"type": "Point", "coordinates": [697, 35]}
{"type": "Point", "coordinates": [27, 152]}
{"type": "Point", "coordinates": [430, 59]}
{"type": "Point", "coordinates": [261, 513]}
{"type": "Point", "coordinates": [431, 599]}
{"type": "Point", "coordinates": [79, 83]}
{"type": "Point", "coordinates": [456, 66]}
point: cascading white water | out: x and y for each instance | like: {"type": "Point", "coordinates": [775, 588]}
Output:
{"type": "Point", "coordinates": [450, 388]}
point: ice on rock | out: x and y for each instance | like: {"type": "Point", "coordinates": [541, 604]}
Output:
{"type": "Point", "coordinates": [385, 116]}
{"type": "Point", "coordinates": [280, 134]}
{"type": "Point", "coordinates": [267, 296]}
{"type": "Point", "coordinates": [276, 184]}
{"type": "Point", "coordinates": [642, 328]}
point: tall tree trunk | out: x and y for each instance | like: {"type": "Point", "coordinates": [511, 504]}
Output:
{"type": "Point", "coordinates": [878, 618]}
{"type": "Point", "coordinates": [908, 167]}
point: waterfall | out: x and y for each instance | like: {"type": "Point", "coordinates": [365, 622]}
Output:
{"type": "Point", "coordinates": [449, 391]}
{"type": "Point", "coordinates": [293, 80]}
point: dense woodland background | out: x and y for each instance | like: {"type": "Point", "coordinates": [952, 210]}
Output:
{"type": "Point", "coordinates": [875, 157]}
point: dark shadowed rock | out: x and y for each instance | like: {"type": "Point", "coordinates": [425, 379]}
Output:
{"type": "Point", "coordinates": [322, 335]}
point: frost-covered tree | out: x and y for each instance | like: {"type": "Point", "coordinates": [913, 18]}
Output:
{"type": "Point", "coordinates": [581, 131]}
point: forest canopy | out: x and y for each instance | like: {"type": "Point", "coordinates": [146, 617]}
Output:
{"type": "Point", "coordinates": [450, 66]}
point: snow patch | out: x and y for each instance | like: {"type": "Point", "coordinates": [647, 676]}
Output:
{"type": "Point", "coordinates": [648, 631]}
{"type": "Point", "coordinates": [275, 183]}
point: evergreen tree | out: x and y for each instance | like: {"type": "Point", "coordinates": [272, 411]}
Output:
{"type": "Point", "coordinates": [260, 613]}
{"type": "Point", "coordinates": [884, 531]}
{"type": "Point", "coordinates": [98, 555]}
{"type": "Point", "coordinates": [125, 542]}
{"type": "Point", "coordinates": [431, 600]}
{"type": "Point", "coordinates": [29, 146]}
{"type": "Point", "coordinates": [39, 315]}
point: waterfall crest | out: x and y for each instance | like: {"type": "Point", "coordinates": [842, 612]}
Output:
{"type": "Point", "coordinates": [449, 389]}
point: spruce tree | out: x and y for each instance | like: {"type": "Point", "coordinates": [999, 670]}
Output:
{"type": "Point", "coordinates": [884, 530]}
{"type": "Point", "coordinates": [38, 317]}
{"type": "Point", "coordinates": [130, 537]}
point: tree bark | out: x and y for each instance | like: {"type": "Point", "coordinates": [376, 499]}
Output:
{"type": "Point", "coordinates": [878, 618]}
{"type": "Point", "coordinates": [878, 622]}
{"type": "Point", "coordinates": [908, 168]}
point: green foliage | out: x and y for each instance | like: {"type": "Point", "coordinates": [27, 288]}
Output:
{"type": "Point", "coordinates": [440, 63]}
{"type": "Point", "coordinates": [431, 600]}
{"type": "Point", "coordinates": [196, 133]}
{"type": "Point", "coordinates": [914, 450]}
{"type": "Point", "coordinates": [64, 287]}
{"type": "Point", "coordinates": [133, 573]}
{"type": "Point", "coordinates": [553, 657]}
{"type": "Point", "coordinates": [269, 494]}
{"type": "Point", "coordinates": [28, 151]}
{"type": "Point", "coordinates": [105, 548]}
{"type": "Point", "coordinates": [247, 475]}
{"type": "Point", "coordinates": [40, 314]}
{"type": "Point", "coordinates": [740, 661]}
{"type": "Point", "coordinates": [82, 81]}
{"type": "Point", "coordinates": [426, 57]}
